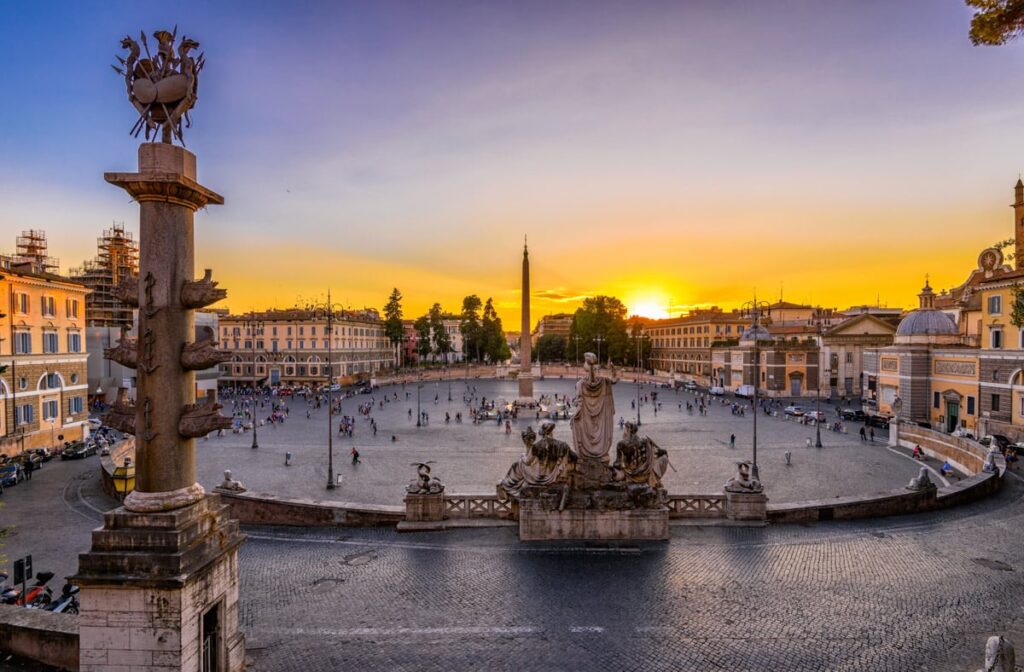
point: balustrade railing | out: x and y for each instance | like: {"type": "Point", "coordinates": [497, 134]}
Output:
{"type": "Point", "coordinates": [696, 506]}
{"type": "Point", "coordinates": [478, 506]}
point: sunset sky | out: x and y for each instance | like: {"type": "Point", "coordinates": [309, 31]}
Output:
{"type": "Point", "coordinates": [672, 154]}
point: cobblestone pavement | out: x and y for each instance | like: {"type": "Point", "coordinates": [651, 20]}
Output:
{"type": "Point", "coordinates": [908, 593]}
{"type": "Point", "coordinates": [472, 458]}
{"type": "Point", "coordinates": [911, 593]}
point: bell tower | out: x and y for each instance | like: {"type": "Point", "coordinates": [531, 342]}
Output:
{"type": "Point", "coordinates": [1018, 224]}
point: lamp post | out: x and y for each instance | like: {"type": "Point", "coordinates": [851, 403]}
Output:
{"type": "Point", "coordinates": [817, 388]}
{"type": "Point", "coordinates": [329, 311]}
{"type": "Point", "coordinates": [636, 337]}
{"type": "Point", "coordinates": [577, 339]}
{"type": "Point", "coordinates": [419, 384]}
{"type": "Point", "coordinates": [599, 340]}
{"type": "Point", "coordinates": [253, 325]}
{"type": "Point", "coordinates": [756, 311]}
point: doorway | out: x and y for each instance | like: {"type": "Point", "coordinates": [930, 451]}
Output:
{"type": "Point", "coordinates": [952, 415]}
{"type": "Point", "coordinates": [210, 654]}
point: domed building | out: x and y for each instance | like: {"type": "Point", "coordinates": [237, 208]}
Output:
{"type": "Point", "coordinates": [929, 375]}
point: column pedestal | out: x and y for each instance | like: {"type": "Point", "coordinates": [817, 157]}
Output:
{"type": "Point", "coordinates": [746, 506]}
{"type": "Point", "coordinates": [160, 591]}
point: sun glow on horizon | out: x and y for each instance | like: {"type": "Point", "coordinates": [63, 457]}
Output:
{"type": "Point", "coordinates": [653, 306]}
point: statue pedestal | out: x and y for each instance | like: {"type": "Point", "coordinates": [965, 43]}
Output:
{"type": "Point", "coordinates": [539, 524]}
{"type": "Point", "coordinates": [746, 506]}
{"type": "Point", "coordinates": [160, 591]}
{"type": "Point", "coordinates": [424, 507]}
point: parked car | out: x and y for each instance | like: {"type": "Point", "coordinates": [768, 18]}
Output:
{"type": "Point", "coordinates": [690, 385]}
{"type": "Point", "coordinates": [816, 415]}
{"type": "Point", "coordinates": [794, 411]}
{"type": "Point", "coordinates": [745, 391]}
{"type": "Point", "coordinates": [716, 391]}
{"type": "Point", "coordinates": [877, 421]}
{"type": "Point", "coordinates": [31, 456]}
{"type": "Point", "coordinates": [1001, 441]}
{"type": "Point", "coordinates": [77, 450]}
{"type": "Point", "coordinates": [854, 414]}
{"type": "Point", "coordinates": [45, 453]}
{"type": "Point", "coordinates": [11, 474]}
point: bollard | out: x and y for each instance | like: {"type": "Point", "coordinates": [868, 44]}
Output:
{"type": "Point", "coordinates": [287, 459]}
{"type": "Point", "coordinates": [808, 442]}
{"type": "Point", "coordinates": [789, 458]}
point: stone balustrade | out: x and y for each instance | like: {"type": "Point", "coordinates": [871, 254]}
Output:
{"type": "Point", "coordinates": [696, 506]}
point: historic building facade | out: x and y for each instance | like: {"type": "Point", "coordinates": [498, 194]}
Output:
{"type": "Point", "coordinates": [842, 352]}
{"type": "Point", "coordinates": [43, 389]}
{"type": "Point", "coordinates": [682, 346]}
{"type": "Point", "coordinates": [559, 324]}
{"type": "Point", "coordinates": [781, 367]}
{"type": "Point", "coordinates": [290, 347]}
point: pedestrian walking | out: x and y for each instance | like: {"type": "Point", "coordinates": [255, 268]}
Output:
{"type": "Point", "coordinates": [732, 440]}
{"type": "Point", "coordinates": [355, 455]}
{"type": "Point", "coordinates": [789, 457]}
{"type": "Point", "coordinates": [872, 434]}
{"type": "Point", "coordinates": [863, 435]}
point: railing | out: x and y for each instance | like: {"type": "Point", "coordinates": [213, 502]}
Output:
{"type": "Point", "coordinates": [696, 506]}
{"type": "Point", "coordinates": [478, 506]}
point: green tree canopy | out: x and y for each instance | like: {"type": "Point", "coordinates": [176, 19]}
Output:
{"type": "Point", "coordinates": [393, 327]}
{"type": "Point", "coordinates": [551, 348]}
{"type": "Point", "coordinates": [470, 326]}
{"type": "Point", "coordinates": [493, 334]}
{"type": "Point", "coordinates": [602, 317]}
{"type": "Point", "coordinates": [996, 21]}
{"type": "Point", "coordinates": [439, 335]}
{"type": "Point", "coordinates": [424, 346]}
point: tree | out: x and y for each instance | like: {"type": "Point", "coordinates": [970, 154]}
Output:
{"type": "Point", "coordinates": [493, 335]}
{"type": "Point", "coordinates": [442, 341]}
{"type": "Point", "coordinates": [393, 327]}
{"type": "Point", "coordinates": [551, 348]}
{"type": "Point", "coordinates": [996, 22]}
{"type": "Point", "coordinates": [1002, 245]}
{"type": "Point", "coordinates": [469, 325]}
{"type": "Point", "coordinates": [604, 317]}
{"type": "Point", "coordinates": [423, 344]}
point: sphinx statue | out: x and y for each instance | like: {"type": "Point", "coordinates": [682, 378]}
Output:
{"type": "Point", "coordinates": [743, 481]}
{"type": "Point", "coordinates": [999, 655]}
{"type": "Point", "coordinates": [423, 484]}
{"type": "Point", "coordinates": [921, 482]}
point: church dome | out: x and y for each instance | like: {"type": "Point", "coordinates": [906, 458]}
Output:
{"type": "Point", "coordinates": [750, 334]}
{"type": "Point", "coordinates": [927, 322]}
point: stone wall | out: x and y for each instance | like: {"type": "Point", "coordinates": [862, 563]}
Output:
{"type": "Point", "coordinates": [966, 455]}
{"type": "Point", "coordinates": [252, 508]}
{"type": "Point", "coordinates": [116, 458]}
{"type": "Point", "coordinates": [42, 636]}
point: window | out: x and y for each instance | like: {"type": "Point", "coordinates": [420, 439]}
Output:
{"type": "Point", "coordinates": [273, 331]}
{"type": "Point", "coordinates": [21, 303]}
{"type": "Point", "coordinates": [936, 401]}
{"type": "Point", "coordinates": [849, 358]}
{"type": "Point", "coordinates": [970, 405]}
{"type": "Point", "coordinates": [289, 345]}
{"type": "Point", "coordinates": [71, 307]}
{"type": "Point", "coordinates": [51, 382]}
{"type": "Point", "coordinates": [273, 346]}
{"type": "Point", "coordinates": [995, 305]}
{"type": "Point", "coordinates": [997, 339]}
{"type": "Point", "coordinates": [74, 342]}
{"type": "Point", "coordinates": [302, 345]}
{"type": "Point", "coordinates": [259, 344]}
{"type": "Point", "coordinates": [49, 341]}
{"type": "Point", "coordinates": [248, 345]}
{"type": "Point", "coordinates": [74, 378]}
{"type": "Point", "coordinates": [23, 383]}
{"type": "Point", "coordinates": [25, 414]}
{"type": "Point", "coordinates": [325, 345]}
{"type": "Point", "coordinates": [74, 405]}
{"type": "Point", "coordinates": [48, 306]}
{"type": "Point", "coordinates": [995, 402]}
{"type": "Point", "coordinates": [312, 330]}
{"type": "Point", "coordinates": [50, 410]}
{"type": "Point", "coordinates": [23, 343]}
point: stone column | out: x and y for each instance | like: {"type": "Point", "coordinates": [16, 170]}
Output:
{"type": "Point", "coordinates": [525, 345]}
{"type": "Point", "coordinates": [160, 583]}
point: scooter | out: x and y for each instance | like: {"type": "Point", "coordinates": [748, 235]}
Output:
{"type": "Point", "coordinates": [14, 596]}
{"type": "Point", "coordinates": [67, 603]}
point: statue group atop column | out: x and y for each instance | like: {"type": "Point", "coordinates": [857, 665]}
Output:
{"type": "Point", "coordinates": [584, 476]}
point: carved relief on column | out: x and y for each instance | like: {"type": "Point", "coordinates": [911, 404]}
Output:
{"type": "Point", "coordinates": [126, 351]}
{"type": "Point", "coordinates": [201, 293]}
{"type": "Point", "coordinates": [203, 354]}
{"type": "Point", "coordinates": [199, 420]}
{"type": "Point", "coordinates": [121, 414]}
{"type": "Point", "coordinates": [127, 291]}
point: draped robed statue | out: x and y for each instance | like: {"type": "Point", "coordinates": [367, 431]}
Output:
{"type": "Point", "coordinates": [593, 421]}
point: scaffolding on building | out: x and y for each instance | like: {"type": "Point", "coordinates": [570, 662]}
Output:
{"type": "Point", "coordinates": [32, 251]}
{"type": "Point", "coordinates": [117, 258]}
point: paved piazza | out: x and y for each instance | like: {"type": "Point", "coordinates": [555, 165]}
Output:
{"type": "Point", "coordinates": [905, 593]}
{"type": "Point", "coordinates": [473, 458]}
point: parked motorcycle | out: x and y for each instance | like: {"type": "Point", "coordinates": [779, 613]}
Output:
{"type": "Point", "coordinates": [67, 603]}
{"type": "Point", "coordinates": [12, 595]}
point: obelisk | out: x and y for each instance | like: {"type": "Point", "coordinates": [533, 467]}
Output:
{"type": "Point", "coordinates": [525, 348]}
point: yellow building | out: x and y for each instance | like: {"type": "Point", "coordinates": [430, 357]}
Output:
{"type": "Point", "coordinates": [683, 345]}
{"type": "Point", "coordinates": [43, 387]}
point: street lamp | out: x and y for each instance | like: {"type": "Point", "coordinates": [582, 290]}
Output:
{"type": "Point", "coordinates": [124, 479]}
{"type": "Point", "coordinates": [599, 340]}
{"type": "Point", "coordinates": [329, 311]}
{"type": "Point", "coordinates": [636, 337]}
{"type": "Point", "coordinates": [817, 388]}
{"type": "Point", "coordinates": [756, 311]}
{"type": "Point", "coordinates": [252, 325]}
{"type": "Point", "coordinates": [577, 339]}
{"type": "Point", "coordinates": [419, 384]}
